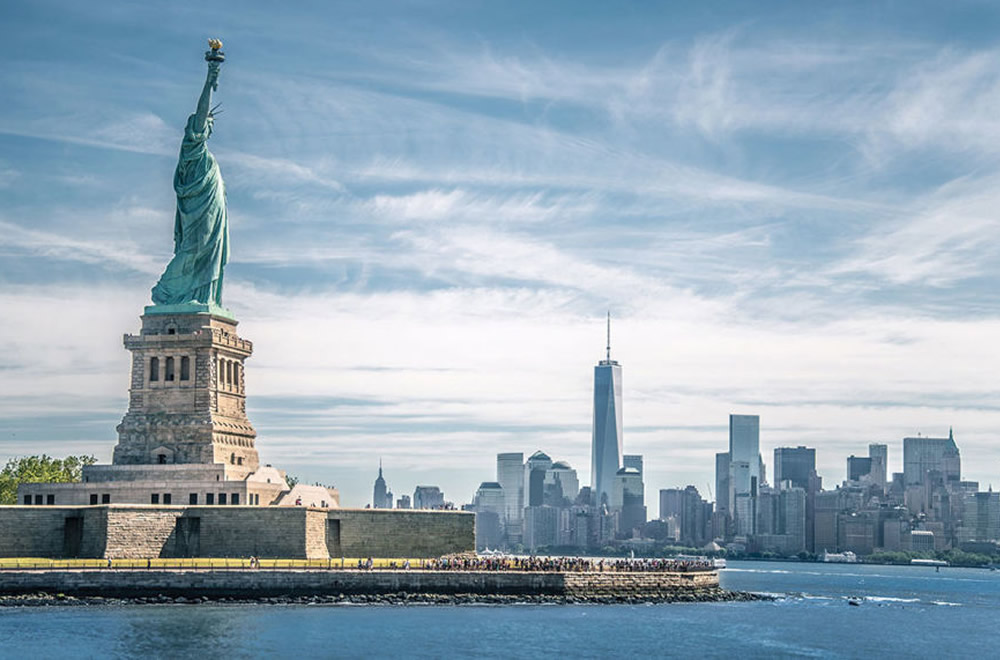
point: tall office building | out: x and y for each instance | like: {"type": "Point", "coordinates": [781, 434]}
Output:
{"type": "Point", "coordinates": [671, 503]}
{"type": "Point", "coordinates": [628, 498]}
{"type": "Point", "coordinates": [744, 451]}
{"type": "Point", "coordinates": [381, 498]}
{"type": "Point", "coordinates": [695, 518]}
{"type": "Point", "coordinates": [879, 455]}
{"type": "Point", "coordinates": [981, 519]}
{"type": "Point", "coordinates": [490, 497]}
{"type": "Point", "coordinates": [489, 506]}
{"type": "Point", "coordinates": [781, 520]}
{"type": "Point", "coordinates": [534, 478]}
{"type": "Point", "coordinates": [541, 526]}
{"type": "Point", "coordinates": [606, 447]}
{"type": "Point", "coordinates": [858, 467]}
{"type": "Point", "coordinates": [744, 470]}
{"type": "Point", "coordinates": [428, 497]}
{"type": "Point", "coordinates": [561, 484]}
{"type": "Point", "coordinates": [723, 493]}
{"type": "Point", "coordinates": [634, 461]}
{"type": "Point", "coordinates": [924, 455]}
{"type": "Point", "coordinates": [510, 476]}
{"type": "Point", "coordinates": [870, 469]}
{"type": "Point", "coordinates": [795, 465]}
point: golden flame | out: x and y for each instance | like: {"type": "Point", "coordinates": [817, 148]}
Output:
{"type": "Point", "coordinates": [215, 44]}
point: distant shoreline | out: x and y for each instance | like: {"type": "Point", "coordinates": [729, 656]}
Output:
{"type": "Point", "coordinates": [860, 562]}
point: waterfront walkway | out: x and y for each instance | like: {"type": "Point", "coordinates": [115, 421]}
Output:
{"type": "Point", "coordinates": [456, 564]}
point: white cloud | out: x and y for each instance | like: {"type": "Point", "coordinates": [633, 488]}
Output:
{"type": "Point", "coordinates": [91, 250]}
{"type": "Point", "coordinates": [139, 133]}
{"type": "Point", "coordinates": [944, 237]}
{"type": "Point", "coordinates": [947, 101]}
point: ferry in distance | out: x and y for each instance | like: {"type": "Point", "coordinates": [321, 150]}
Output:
{"type": "Point", "coordinates": [839, 557]}
{"type": "Point", "coordinates": [928, 562]}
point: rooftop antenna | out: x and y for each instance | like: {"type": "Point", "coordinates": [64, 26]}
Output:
{"type": "Point", "coordinates": [609, 337]}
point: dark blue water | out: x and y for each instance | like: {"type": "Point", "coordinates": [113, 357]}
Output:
{"type": "Point", "coordinates": [905, 612]}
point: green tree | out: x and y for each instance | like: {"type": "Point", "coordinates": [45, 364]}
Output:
{"type": "Point", "coordinates": [39, 469]}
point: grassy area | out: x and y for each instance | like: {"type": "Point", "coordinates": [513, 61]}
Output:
{"type": "Point", "coordinates": [199, 562]}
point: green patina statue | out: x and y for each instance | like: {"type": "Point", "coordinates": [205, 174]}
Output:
{"type": "Point", "coordinates": [192, 281]}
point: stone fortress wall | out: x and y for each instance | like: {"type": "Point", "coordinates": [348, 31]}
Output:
{"type": "Point", "coordinates": [146, 531]}
{"type": "Point", "coordinates": [192, 583]}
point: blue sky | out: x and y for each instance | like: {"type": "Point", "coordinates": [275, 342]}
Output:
{"type": "Point", "coordinates": [791, 209]}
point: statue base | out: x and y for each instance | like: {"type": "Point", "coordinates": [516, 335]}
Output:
{"type": "Point", "coordinates": [187, 394]}
{"type": "Point", "coordinates": [191, 308]}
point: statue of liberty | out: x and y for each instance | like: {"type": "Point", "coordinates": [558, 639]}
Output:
{"type": "Point", "coordinates": [193, 278]}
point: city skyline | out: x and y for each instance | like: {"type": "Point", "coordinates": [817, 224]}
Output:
{"type": "Point", "coordinates": [791, 218]}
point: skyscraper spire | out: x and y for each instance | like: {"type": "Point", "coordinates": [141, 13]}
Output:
{"type": "Point", "coordinates": [609, 336]}
{"type": "Point", "coordinates": [381, 498]}
{"type": "Point", "coordinates": [606, 445]}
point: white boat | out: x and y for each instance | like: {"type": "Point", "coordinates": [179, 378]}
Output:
{"type": "Point", "coordinates": [928, 562]}
{"type": "Point", "coordinates": [847, 557]}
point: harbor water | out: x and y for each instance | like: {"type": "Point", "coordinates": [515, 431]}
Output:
{"type": "Point", "coordinates": [822, 611]}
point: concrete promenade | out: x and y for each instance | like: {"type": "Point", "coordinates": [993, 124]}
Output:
{"type": "Point", "coordinates": [190, 583]}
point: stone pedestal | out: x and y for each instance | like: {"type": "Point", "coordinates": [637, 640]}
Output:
{"type": "Point", "coordinates": [187, 400]}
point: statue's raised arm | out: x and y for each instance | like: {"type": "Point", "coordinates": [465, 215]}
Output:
{"type": "Point", "coordinates": [205, 102]}
{"type": "Point", "coordinates": [215, 57]}
{"type": "Point", "coordinates": [201, 225]}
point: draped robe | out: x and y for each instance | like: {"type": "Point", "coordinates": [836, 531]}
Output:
{"type": "Point", "coordinates": [201, 226]}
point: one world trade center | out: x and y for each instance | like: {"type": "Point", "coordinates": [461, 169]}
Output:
{"type": "Point", "coordinates": [606, 448]}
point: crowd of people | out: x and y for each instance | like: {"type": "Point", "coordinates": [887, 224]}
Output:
{"type": "Point", "coordinates": [566, 564]}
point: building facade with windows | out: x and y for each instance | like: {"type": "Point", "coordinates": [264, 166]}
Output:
{"type": "Point", "coordinates": [185, 438]}
{"type": "Point", "coordinates": [607, 441]}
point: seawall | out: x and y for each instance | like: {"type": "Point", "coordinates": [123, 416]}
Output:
{"type": "Point", "coordinates": [194, 583]}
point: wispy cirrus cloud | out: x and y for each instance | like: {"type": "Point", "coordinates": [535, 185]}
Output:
{"type": "Point", "coordinates": [15, 239]}
{"type": "Point", "coordinates": [944, 237]}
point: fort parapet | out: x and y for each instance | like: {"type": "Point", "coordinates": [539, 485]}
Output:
{"type": "Point", "coordinates": [145, 531]}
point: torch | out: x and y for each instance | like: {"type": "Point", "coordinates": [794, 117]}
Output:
{"type": "Point", "coordinates": [216, 55]}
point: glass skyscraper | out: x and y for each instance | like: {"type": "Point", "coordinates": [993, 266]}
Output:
{"type": "Point", "coordinates": [794, 464]}
{"type": "Point", "coordinates": [924, 455]}
{"type": "Point", "coordinates": [510, 476]}
{"type": "Point", "coordinates": [744, 470]}
{"type": "Point", "coordinates": [606, 447]}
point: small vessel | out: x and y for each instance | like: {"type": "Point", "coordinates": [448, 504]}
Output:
{"type": "Point", "coordinates": [847, 557]}
{"type": "Point", "coordinates": [928, 562]}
